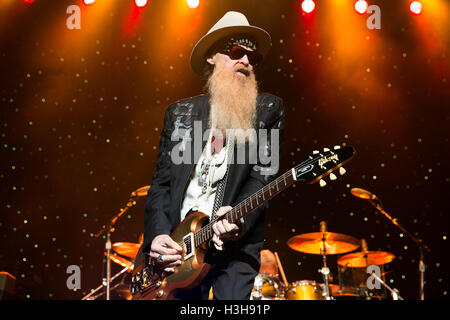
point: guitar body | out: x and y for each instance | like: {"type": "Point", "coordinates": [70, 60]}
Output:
{"type": "Point", "coordinates": [150, 284]}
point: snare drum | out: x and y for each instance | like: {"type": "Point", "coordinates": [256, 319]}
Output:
{"type": "Point", "coordinates": [304, 290]}
{"type": "Point", "coordinates": [266, 287]}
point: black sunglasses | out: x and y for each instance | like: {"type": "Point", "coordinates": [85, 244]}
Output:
{"type": "Point", "coordinates": [237, 52]}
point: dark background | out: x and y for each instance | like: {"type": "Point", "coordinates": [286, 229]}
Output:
{"type": "Point", "coordinates": [82, 110]}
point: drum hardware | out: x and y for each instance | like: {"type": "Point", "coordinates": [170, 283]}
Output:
{"type": "Point", "coordinates": [325, 270]}
{"type": "Point", "coordinates": [376, 202]}
{"type": "Point", "coordinates": [357, 264]}
{"type": "Point", "coordinates": [108, 228]}
{"type": "Point", "coordinates": [91, 296]}
{"type": "Point", "coordinates": [394, 292]}
{"type": "Point", "coordinates": [267, 286]}
{"type": "Point", "coordinates": [324, 243]}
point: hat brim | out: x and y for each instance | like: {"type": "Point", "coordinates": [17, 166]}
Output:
{"type": "Point", "coordinates": [198, 55]}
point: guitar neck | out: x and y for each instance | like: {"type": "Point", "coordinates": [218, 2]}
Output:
{"type": "Point", "coordinates": [248, 205]}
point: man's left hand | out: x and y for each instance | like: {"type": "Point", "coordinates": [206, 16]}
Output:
{"type": "Point", "coordinates": [223, 230]}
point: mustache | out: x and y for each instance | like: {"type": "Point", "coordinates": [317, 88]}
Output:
{"type": "Point", "coordinates": [240, 67]}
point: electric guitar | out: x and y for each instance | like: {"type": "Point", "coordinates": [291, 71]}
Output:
{"type": "Point", "coordinates": [193, 233]}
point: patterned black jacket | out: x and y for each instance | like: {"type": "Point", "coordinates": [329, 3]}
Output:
{"type": "Point", "coordinates": [170, 178]}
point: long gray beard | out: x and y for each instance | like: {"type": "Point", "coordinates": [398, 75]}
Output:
{"type": "Point", "coordinates": [233, 103]}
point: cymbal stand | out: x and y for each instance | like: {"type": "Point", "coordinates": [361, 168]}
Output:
{"type": "Point", "coordinates": [86, 297]}
{"type": "Point", "coordinates": [325, 270]}
{"type": "Point", "coordinates": [394, 292]}
{"type": "Point", "coordinates": [326, 274]}
{"type": "Point", "coordinates": [108, 229]}
{"type": "Point", "coordinates": [418, 241]}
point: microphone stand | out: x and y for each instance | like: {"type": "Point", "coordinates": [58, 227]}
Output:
{"type": "Point", "coordinates": [418, 241]}
{"type": "Point", "coordinates": [108, 229]}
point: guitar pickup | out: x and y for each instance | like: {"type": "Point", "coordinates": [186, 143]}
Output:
{"type": "Point", "coordinates": [189, 246]}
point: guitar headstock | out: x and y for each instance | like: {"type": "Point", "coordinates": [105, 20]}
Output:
{"type": "Point", "coordinates": [322, 163]}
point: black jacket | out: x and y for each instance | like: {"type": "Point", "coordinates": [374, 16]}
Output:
{"type": "Point", "coordinates": [165, 197]}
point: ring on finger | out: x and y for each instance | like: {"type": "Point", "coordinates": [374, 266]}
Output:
{"type": "Point", "coordinates": [160, 258]}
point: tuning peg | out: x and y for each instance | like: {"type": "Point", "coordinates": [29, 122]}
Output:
{"type": "Point", "coordinates": [326, 149]}
{"type": "Point", "coordinates": [315, 151]}
{"type": "Point", "coordinates": [333, 176]}
{"type": "Point", "coordinates": [322, 183]}
{"type": "Point", "coordinates": [342, 171]}
{"type": "Point", "coordinates": [336, 147]}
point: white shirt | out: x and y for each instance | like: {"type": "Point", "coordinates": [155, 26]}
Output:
{"type": "Point", "coordinates": [201, 191]}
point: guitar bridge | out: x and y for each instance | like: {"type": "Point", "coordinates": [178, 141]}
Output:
{"type": "Point", "coordinates": [147, 278]}
{"type": "Point", "coordinates": [189, 245]}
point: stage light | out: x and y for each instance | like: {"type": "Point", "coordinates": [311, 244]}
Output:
{"type": "Point", "coordinates": [193, 3]}
{"type": "Point", "coordinates": [88, 2]}
{"type": "Point", "coordinates": [308, 6]}
{"type": "Point", "coordinates": [361, 6]}
{"type": "Point", "coordinates": [415, 7]}
{"type": "Point", "coordinates": [140, 3]}
{"type": "Point", "coordinates": [29, 1]}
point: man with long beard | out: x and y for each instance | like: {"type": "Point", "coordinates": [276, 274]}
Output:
{"type": "Point", "coordinates": [215, 180]}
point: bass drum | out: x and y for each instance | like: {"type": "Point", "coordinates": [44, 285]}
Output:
{"type": "Point", "coordinates": [304, 290]}
{"type": "Point", "coordinates": [266, 287]}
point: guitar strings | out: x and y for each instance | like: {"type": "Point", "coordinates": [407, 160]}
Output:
{"type": "Point", "coordinates": [207, 228]}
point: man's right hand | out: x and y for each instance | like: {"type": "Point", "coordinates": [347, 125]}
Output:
{"type": "Point", "coordinates": [168, 250]}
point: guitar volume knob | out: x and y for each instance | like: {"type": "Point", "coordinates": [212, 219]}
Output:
{"type": "Point", "coordinates": [160, 293]}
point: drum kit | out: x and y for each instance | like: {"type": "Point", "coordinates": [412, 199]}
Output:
{"type": "Point", "coordinates": [361, 274]}
{"type": "Point", "coordinates": [354, 281]}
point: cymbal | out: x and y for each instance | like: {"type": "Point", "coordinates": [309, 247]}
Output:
{"type": "Point", "coordinates": [358, 259]}
{"type": "Point", "coordinates": [122, 261]}
{"type": "Point", "coordinates": [335, 243]}
{"type": "Point", "coordinates": [141, 192]}
{"type": "Point", "coordinates": [127, 249]}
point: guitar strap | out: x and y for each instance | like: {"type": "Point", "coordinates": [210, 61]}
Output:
{"type": "Point", "coordinates": [220, 190]}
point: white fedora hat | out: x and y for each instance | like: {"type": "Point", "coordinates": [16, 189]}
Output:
{"type": "Point", "coordinates": [230, 24]}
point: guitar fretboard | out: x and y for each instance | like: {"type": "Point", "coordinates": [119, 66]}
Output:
{"type": "Point", "coordinates": [248, 205]}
